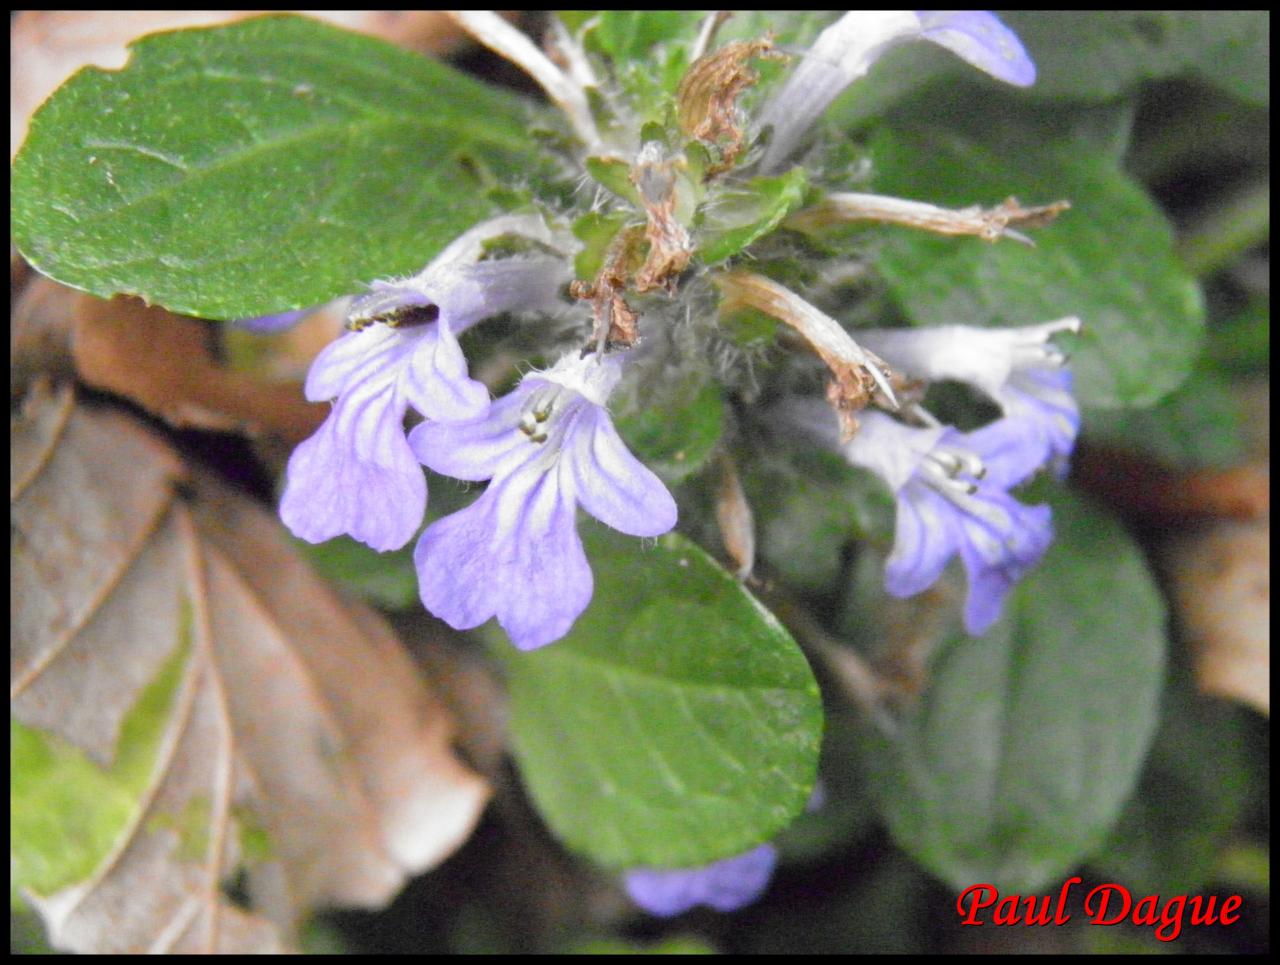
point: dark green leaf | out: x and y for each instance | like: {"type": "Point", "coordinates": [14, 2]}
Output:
{"type": "Point", "coordinates": [1191, 795]}
{"type": "Point", "coordinates": [1109, 260]}
{"type": "Point", "coordinates": [273, 163]}
{"type": "Point", "coordinates": [740, 216]}
{"type": "Point", "coordinates": [1097, 54]}
{"type": "Point", "coordinates": [808, 510]}
{"type": "Point", "coordinates": [1242, 343]}
{"type": "Point", "coordinates": [674, 434]}
{"type": "Point", "coordinates": [677, 724]}
{"type": "Point", "coordinates": [1017, 759]}
{"type": "Point", "coordinates": [1199, 425]}
{"type": "Point", "coordinates": [387, 580]}
{"type": "Point", "coordinates": [1005, 119]}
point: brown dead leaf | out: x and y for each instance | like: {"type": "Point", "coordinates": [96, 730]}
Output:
{"type": "Point", "coordinates": [298, 714]}
{"type": "Point", "coordinates": [40, 333]}
{"type": "Point", "coordinates": [1141, 488]}
{"type": "Point", "coordinates": [1220, 579]}
{"type": "Point", "coordinates": [707, 99]}
{"type": "Point", "coordinates": [48, 46]}
{"type": "Point", "coordinates": [164, 363]}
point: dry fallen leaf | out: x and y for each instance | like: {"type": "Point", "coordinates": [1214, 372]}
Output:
{"type": "Point", "coordinates": [298, 718]}
{"type": "Point", "coordinates": [163, 362]}
{"type": "Point", "coordinates": [1221, 583]}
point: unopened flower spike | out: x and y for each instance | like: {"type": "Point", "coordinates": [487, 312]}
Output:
{"type": "Point", "coordinates": [357, 475]}
{"type": "Point", "coordinates": [846, 50]}
{"type": "Point", "coordinates": [1019, 368]}
{"type": "Point", "coordinates": [548, 446]}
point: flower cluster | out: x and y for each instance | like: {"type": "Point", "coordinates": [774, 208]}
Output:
{"type": "Point", "coordinates": [549, 446]}
{"type": "Point", "coordinates": [952, 488]}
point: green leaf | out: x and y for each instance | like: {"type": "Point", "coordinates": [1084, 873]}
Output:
{"type": "Point", "coordinates": [596, 230]}
{"type": "Point", "coordinates": [677, 724]}
{"type": "Point", "coordinates": [67, 811]}
{"type": "Point", "coordinates": [1109, 260]}
{"type": "Point", "coordinates": [677, 429]}
{"type": "Point", "coordinates": [387, 580]}
{"type": "Point", "coordinates": [627, 35]}
{"type": "Point", "coordinates": [1195, 786]}
{"type": "Point", "coordinates": [1097, 54]}
{"type": "Point", "coordinates": [809, 508]}
{"type": "Point", "coordinates": [1241, 343]}
{"type": "Point", "coordinates": [1017, 759]}
{"type": "Point", "coordinates": [271, 164]}
{"type": "Point", "coordinates": [740, 216]}
{"type": "Point", "coordinates": [1199, 425]}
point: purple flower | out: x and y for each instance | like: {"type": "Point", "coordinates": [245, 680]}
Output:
{"type": "Point", "coordinates": [357, 474]}
{"type": "Point", "coordinates": [271, 324]}
{"type": "Point", "coordinates": [725, 885]}
{"type": "Point", "coordinates": [952, 491]}
{"type": "Point", "coordinates": [1019, 368]}
{"type": "Point", "coordinates": [846, 50]}
{"type": "Point", "coordinates": [514, 553]}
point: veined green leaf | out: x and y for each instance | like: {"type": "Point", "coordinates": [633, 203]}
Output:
{"type": "Point", "coordinates": [271, 164]}
{"type": "Point", "coordinates": [1019, 756]}
{"type": "Point", "coordinates": [1108, 260]}
{"type": "Point", "coordinates": [677, 724]}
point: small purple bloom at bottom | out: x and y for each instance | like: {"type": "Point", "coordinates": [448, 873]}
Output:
{"type": "Point", "coordinates": [725, 885]}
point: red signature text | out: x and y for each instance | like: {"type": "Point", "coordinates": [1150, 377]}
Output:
{"type": "Point", "coordinates": [1106, 904]}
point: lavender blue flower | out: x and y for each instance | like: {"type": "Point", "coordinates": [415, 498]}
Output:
{"type": "Point", "coordinates": [271, 324]}
{"type": "Point", "coordinates": [1019, 368]}
{"type": "Point", "coordinates": [725, 885]}
{"type": "Point", "coordinates": [846, 50]}
{"type": "Point", "coordinates": [357, 474]}
{"type": "Point", "coordinates": [952, 492]}
{"type": "Point", "coordinates": [548, 446]}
